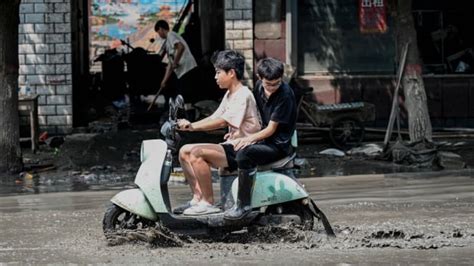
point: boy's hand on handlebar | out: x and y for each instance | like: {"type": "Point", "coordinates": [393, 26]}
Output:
{"type": "Point", "coordinates": [184, 125]}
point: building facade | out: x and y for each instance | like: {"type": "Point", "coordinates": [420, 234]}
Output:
{"type": "Point", "coordinates": [335, 46]}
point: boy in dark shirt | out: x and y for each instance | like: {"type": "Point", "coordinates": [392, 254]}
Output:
{"type": "Point", "coordinates": [277, 106]}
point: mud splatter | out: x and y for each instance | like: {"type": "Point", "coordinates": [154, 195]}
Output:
{"type": "Point", "coordinates": [294, 237]}
{"type": "Point", "coordinates": [157, 236]}
{"type": "Point", "coordinates": [384, 237]}
{"type": "Point", "coordinates": [160, 236]}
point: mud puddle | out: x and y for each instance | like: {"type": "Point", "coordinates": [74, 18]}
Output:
{"type": "Point", "coordinates": [290, 236]}
{"type": "Point", "coordinates": [158, 237]}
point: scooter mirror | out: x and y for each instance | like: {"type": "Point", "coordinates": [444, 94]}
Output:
{"type": "Point", "coordinates": [172, 114]}
{"type": "Point", "coordinates": [178, 104]}
{"type": "Point", "coordinates": [179, 101]}
{"type": "Point", "coordinates": [166, 129]}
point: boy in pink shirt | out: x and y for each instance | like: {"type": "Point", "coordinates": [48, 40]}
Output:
{"type": "Point", "coordinates": [238, 112]}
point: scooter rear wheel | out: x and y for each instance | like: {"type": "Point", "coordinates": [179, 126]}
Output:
{"type": "Point", "coordinates": [116, 218]}
{"type": "Point", "coordinates": [297, 208]}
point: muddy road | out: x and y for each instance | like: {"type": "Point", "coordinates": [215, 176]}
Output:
{"type": "Point", "coordinates": [379, 219]}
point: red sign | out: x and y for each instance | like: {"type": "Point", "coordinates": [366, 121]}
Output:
{"type": "Point", "coordinates": [373, 16]}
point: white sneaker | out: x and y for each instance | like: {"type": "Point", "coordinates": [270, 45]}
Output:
{"type": "Point", "coordinates": [202, 208]}
{"type": "Point", "coordinates": [187, 205]}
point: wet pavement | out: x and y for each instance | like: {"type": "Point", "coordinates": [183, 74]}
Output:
{"type": "Point", "coordinates": [104, 165]}
{"type": "Point", "coordinates": [411, 218]}
{"type": "Point", "coordinates": [381, 212]}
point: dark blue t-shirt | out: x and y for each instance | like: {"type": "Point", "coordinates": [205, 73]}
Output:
{"type": "Point", "coordinates": [280, 107]}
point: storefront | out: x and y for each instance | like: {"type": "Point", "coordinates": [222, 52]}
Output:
{"type": "Point", "coordinates": [346, 51]}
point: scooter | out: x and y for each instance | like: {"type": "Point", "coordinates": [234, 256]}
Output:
{"type": "Point", "coordinates": [278, 197]}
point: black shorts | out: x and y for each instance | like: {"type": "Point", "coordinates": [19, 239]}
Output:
{"type": "Point", "coordinates": [258, 154]}
{"type": "Point", "coordinates": [230, 154]}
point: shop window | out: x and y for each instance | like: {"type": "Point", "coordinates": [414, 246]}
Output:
{"type": "Point", "coordinates": [445, 39]}
{"type": "Point", "coordinates": [268, 15]}
{"type": "Point", "coordinates": [330, 39]}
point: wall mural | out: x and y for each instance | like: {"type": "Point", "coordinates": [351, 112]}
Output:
{"type": "Point", "coordinates": [129, 20]}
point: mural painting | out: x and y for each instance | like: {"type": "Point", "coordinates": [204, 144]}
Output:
{"type": "Point", "coordinates": [129, 20]}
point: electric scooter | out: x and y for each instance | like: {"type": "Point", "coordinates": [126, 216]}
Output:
{"type": "Point", "coordinates": [278, 197]}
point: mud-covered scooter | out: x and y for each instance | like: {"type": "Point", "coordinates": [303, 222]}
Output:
{"type": "Point", "coordinates": [277, 197]}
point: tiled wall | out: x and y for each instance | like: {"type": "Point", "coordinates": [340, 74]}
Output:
{"type": "Point", "coordinates": [239, 32]}
{"type": "Point", "coordinates": [45, 60]}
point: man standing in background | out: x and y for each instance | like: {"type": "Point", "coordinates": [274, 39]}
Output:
{"type": "Point", "coordinates": [180, 61]}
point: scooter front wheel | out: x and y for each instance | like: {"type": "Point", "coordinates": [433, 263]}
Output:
{"type": "Point", "coordinates": [116, 218]}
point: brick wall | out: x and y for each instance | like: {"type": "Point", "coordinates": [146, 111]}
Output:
{"type": "Point", "coordinates": [45, 60]}
{"type": "Point", "coordinates": [239, 32]}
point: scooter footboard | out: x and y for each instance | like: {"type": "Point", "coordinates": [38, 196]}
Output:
{"type": "Point", "coordinates": [134, 201]}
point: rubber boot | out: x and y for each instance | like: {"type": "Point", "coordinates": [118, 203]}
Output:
{"type": "Point", "coordinates": [244, 195]}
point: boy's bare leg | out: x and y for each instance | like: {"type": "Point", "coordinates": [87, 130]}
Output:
{"type": "Point", "coordinates": [202, 157]}
{"type": "Point", "coordinates": [184, 160]}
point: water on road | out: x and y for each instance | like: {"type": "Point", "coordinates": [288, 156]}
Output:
{"type": "Point", "coordinates": [379, 219]}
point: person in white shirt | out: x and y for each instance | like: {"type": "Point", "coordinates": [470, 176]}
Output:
{"type": "Point", "coordinates": [180, 60]}
{"type": "Point", "coordinates": [237, 111]}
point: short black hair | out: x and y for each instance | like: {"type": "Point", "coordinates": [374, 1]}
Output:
{"type": "Point", "coordinates": [162, 24]}
{"type": "Point", "coordinates": [270, 68]}
{"type": "Point", "coordinates": [230, 59]}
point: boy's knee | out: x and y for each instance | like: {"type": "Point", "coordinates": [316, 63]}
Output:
{"type": "Point", "coordinates": [196, 152]}
{"type": "Point", "coordinates": [243, 160]}
{"type": "Point", "coordinates": [240, 156]}
{"type": "Point", "coordinates": [197, 155]}
{"type": "Point", "coordinates": [196, 159]}
{"type": "Point", "coordinates": [185, 151]}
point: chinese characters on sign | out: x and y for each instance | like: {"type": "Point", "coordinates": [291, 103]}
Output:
{"type": "Point", "coordinates": [372, 16]}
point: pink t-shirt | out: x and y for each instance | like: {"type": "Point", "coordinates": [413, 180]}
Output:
{"type": "Point", "coordinates": [239, 110]}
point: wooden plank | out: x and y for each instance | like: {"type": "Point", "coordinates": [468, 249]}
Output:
{"type": "Point", "coordinates": [395, 106]}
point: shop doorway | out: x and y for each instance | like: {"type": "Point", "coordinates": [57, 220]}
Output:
{"type": "Point", "coordinates": [99, 25]}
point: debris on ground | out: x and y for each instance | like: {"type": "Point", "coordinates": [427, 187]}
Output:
{"type": "Point", "coordinates": [333, 152]}
{"type": "Point", "coordinates": [420, 154]}
{"type": "Point", "coordinates": [425, 154]}
{"type": "Point", "coordinates": [450, 160]}
{"type": "Point", "coordinates": [368, 150]}
{"type": "Point", "coordinates": [112, 158]}
{"type": "Point", "coordinates": [54, 142]}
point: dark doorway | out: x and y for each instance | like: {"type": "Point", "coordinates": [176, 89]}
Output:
{"type": "Point", "coordinates": [203, 30]}
{"type": "Point", "coordinates": [80, 59]}
{"type": "Point", "coordinates": [445, 36]}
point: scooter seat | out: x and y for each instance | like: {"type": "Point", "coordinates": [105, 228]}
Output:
{"type": "Point", "coordinates": [284, 163]}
